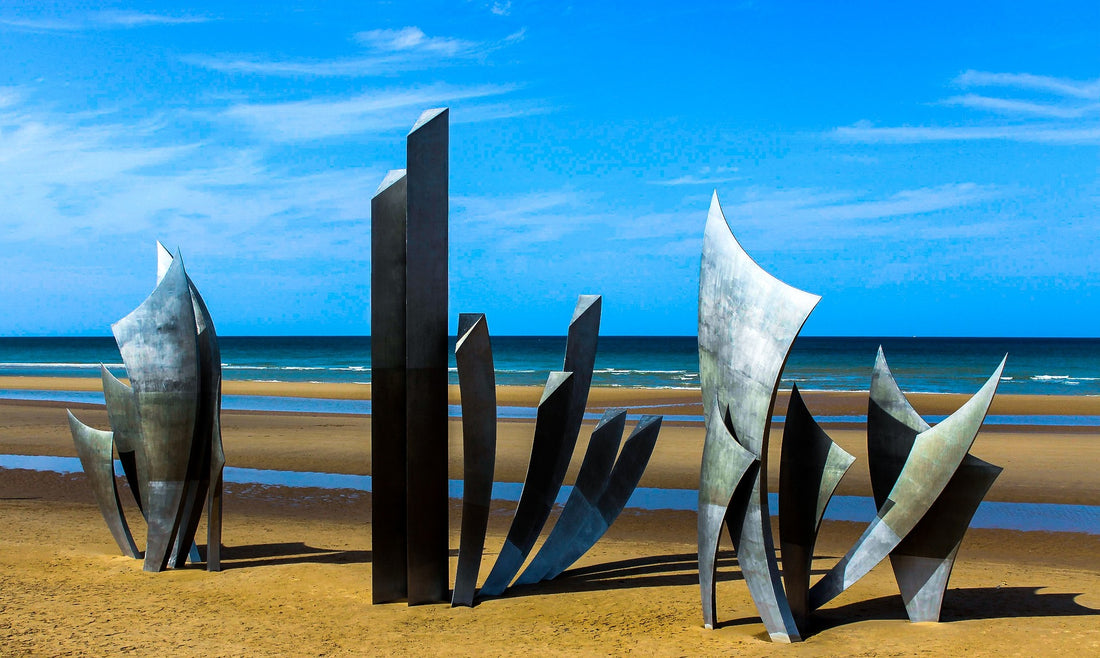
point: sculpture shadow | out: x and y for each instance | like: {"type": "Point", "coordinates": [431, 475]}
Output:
{"type": "Point", "coordinates": [959, 605]}
{"type": "Point", "coordinates": [675, 570]}
{"type": "Point", "coordinates": [264, 555]}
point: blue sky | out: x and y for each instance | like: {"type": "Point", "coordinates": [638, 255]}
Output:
{"type": "Point", "coordinates": [932, 169]}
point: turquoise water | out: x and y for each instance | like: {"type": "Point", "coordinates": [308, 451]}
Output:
{"type": "Point", "coordinates": [1058, 366]}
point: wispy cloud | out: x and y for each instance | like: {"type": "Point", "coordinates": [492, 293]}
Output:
{"type": "Point", "coordinates": [1085, 89]}
{"type": "Point", "coordinates": [98, 21]}
{"type": "Point", "coordinates": [707, 176]}
{"type": "Point", "coordinates": [1038, 134]}
{"type": "Point", "coordinates": [816, 219]}
{"type": "Point", "coordinates": [1009, 106]}
{"type": "Point", "coordinates": [1043, 110]}
{"type": "Point", "coordinates": [64, 179]}
{"type": "Point", "coordinates": [389, 51]}
{"type": "Point", "coordinates": [375, 112]}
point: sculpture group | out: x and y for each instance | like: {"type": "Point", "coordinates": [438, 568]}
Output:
{"type": "Point", "coordinates": [165, 424]}
{"type": "Point", "coordinates": [165, 428]}
{"type": "Point", "coordinates": [926, 485]}
{"type": "Point", "coordinates": [409, 457]}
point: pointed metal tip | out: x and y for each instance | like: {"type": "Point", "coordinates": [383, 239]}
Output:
{"type": "Point", "coordinates": [426, 116]}
{"type": "Point", "coordinates": [610, 416]}
{"type": "Point", "coordinates": [553, 383]}
{"type": "Point", "coordinates": [164, 261]}
{"type": "Point", "coordinates": [392, 176]}
{"type": "Point", "coordinates": [586, 303]}
{"type": "Point", "coordinates": [467, 323]}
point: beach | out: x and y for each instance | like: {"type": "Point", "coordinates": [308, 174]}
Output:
{"type": "Point", "coordinates": [297, 564]}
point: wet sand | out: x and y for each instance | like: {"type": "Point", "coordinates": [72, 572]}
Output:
{"type": "Point", "coordinates": [297, 561]}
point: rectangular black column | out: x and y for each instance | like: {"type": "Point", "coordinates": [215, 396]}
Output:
{"type": "Point", "coordinates": [426, 357]}
{"type": "Point", "coordinates": [389, 581]}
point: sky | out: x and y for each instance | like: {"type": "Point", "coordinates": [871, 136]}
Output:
{"type": "Point", "coordinates": [929, 169]}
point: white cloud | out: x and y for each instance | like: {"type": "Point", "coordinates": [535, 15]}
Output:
{"type": "Point", "coordinates": [815, 219]}
{"type": "Point", "coordinates": [1010, 106]}
{"type": "Point", "coordinates": [1085, 89]}
{"type": "Point", "coordinates": [1038, 134]}
{"type": "Point", "coordinates": [98, 20]}
{"type": "Point", "coordinates": [1067, 114]}
{"type": "Point", "coordinates": [388, 52]}
{"type": "Point", "coordinates": [67, 181]}
{"type": "Point", "coordinates": [373, 112]}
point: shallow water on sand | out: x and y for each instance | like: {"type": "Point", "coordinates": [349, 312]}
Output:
{"type": "Point", "coordinates": [1045, 517]}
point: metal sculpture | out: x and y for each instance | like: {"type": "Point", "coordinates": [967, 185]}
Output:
{"type": "Point", "coordinates": [556, 435]}
{"type": "Point", "coordinates": [748, 321]}
{"type": "Point", "coordinates": [621, 483]}
{"type": "Point", "coordinates": [477, 387]}
{"type": "Point", "coordinates": [811, 465]}
{"type": "Point", "coordinates": [160, 349]}
{"type": "Point", "coordinates": [923, 560]}
{"type": "Point", "coordinates": [123, 416]}
{"type": "Point", "coordinates": [166, 425]}
{"type": "Point", "coordinates": [591, 481]}
{"type": "Point", "coordinates": [931, 464]}
{"type": "Point", "coordinates": [96, 451]}
{"type": "Point", "coordinates": [539, 486]}
{"type": "Point", "coordinates": [409, 371]}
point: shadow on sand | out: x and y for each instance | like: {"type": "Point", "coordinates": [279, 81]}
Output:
{"type": "Point", "coordinates": [263, 555]}
{"type": "Point", "coordinates": [959, 604]}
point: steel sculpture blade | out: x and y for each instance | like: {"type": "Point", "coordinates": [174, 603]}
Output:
{"type": "Point", "coordinates": [922, 562]}
{"type": "Point", "coordinates": [591, 482]}
{"type": "Point", "coordinates": [389, 536]}
{"type": "Point", "coordinates": [580, 358]}
{"type": "Point", "coordinates": [936, 455]}
{"type": "Point", "coordinates": [540, 486]}
{"type": "Point", "coordinates": [96, 451]}
{"type": "Point", "coordinates": [202, 465]}
{"type": "Point", "coordinates": [811, 466]}
{"type": "Point", "coordinates": [477, 387]}
{"type": "Point", "coordinates": [748, 321]}
{"type": "Point", "coordinates": [737, 465]}
{"type": "Point", "coordinates": [122, 413]}
{"type": "Point", "coordinates": [159, 347]}
{"type": "Point", "coordinates": [622, 482]}
{"type": "Point", "coordinates": [426, 357]}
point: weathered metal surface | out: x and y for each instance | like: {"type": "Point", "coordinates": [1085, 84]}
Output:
{"type": "Point", "coordinates": [540, 486]}
{"type": "Point", "coordinates": [389, 538]}
{"type": "Point", "coordinates": [96, 451]}
{"type": "Point", "coordinates": [811, 466]}
{"type": "Point", "coordinates": [202, 466]}
{"type": "Point", "coordinates": [591, 482]}
{"type": "Point", "coordinates": [748, 321]}
{"type": "Point", "coordinates": [426, 357]}
{"type": "Point", "coordinates": [159, 347]}
{"type": "Point", "coordinates": [622, 482]}
{"type": "Point", "coordinates": [935, 456]}
{"type": "Point", "coordinates": [122, 413]}
{"type": "Point", "coordinates": [477, 387]}
{"type": "Point", "coordinates": [739, 466]}
{"type": "Point", "coordinates": [922, 562]}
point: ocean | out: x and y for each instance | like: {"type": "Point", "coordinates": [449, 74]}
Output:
{"type": "Point", "coordinates": [1055, 366]}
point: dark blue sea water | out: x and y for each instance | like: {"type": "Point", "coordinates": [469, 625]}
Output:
{"type": "Point", "coordinates": [1057, 366]}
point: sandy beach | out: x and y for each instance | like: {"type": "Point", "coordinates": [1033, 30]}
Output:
{"type": "Point", "coordinates": [297, 561]}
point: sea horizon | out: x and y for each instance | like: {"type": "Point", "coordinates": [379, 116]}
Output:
{"type": "Point", "coordinates": [1043, 366]}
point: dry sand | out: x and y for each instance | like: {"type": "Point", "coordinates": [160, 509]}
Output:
{"type": "Point", "coordinates": [297, 561]}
